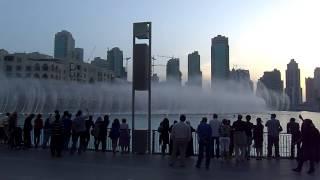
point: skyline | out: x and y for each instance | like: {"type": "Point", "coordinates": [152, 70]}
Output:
{"type": "Point", "coordinates": [249, 25]}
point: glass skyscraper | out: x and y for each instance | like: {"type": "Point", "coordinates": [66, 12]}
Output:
{"type": "Point", "coordinates": [219, 58]}
{"type": "Point", "coordinates": [64, 45]}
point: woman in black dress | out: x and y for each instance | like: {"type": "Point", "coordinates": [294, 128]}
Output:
{"type": "Point", "coordinates": [164, 135]}
{"type": "Point", "coordinates": [310, 146]}
{"type": "Point", "coordinates": [190, 151]}
{"type": "Point", "coordinates": [258, 138]}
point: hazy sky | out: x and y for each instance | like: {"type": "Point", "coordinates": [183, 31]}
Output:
{"type": "Point", "coordinates": [263, 34]}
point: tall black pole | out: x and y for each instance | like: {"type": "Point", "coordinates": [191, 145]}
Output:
{"type": "Point", "coordinates": [149, 91]}
{"type": "Point", "coordinates": [133, 93]}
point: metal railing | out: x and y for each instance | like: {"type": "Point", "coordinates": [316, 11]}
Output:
{"type": "Point", "coordinates": [284, 144]}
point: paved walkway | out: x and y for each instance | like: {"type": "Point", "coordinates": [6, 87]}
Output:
{"type": "Point", "coordinates": [37, 164]}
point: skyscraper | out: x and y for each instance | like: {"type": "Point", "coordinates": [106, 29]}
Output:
{"type": "Point", "coordinates": [194, 72]}
{"type": "Point", "coordinates": [293, 87]}
{"type": "Point", "coordinates": [78, 54]}
{"type": "Point", "coordinates": [310, 92]}
{"type": "Point", "coordinates": [219, 58]}
{"type": "Point", "coordinates": [64, 45]}
{"type": "Point", "coordinates": [173, 71]}
{"type": "Point", "coordinates": [115, 62]}
{"type": "Point", "coordinates": [242, 76]}
{"type": "Point", "coordinates": [272, 80]}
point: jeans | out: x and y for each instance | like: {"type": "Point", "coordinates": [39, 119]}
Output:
{"type": "Point", "coordinates": [27, 138]}
{"type": "Point", "coordinates": [182, 147]}
{"type": "Point", "coordinates": [215, 146]}
{"type": "Point", "coordinates": [249, 143]}
{"type": "Point", "coordinates": [99, 140]}
{"type": "Point", "coordinates": [224, 145]}
{"type": "Point", "coordinates": [56, 145]}
{"type": "Point", "coordinates": [36, 137]}
{"type": "Point", "coordinates": [204, 146]}
{"type": "Point", "coordinates": [75, 137]}
{"type": "Point", "coordinates": [46, 137]}
{"type": "Point", "coordinates": [273, 141]}
{"type": "Point", "coordinates": [294, 144]}
{"type": "Point", "coordinates": [66, 140]}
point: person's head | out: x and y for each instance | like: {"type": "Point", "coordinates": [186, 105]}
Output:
{"type": "Point", "coordinates": [224, 122]}
{"type": "Point", "coordinates": [65, 113]}
{"type": "Point", "coordinates": [228, 122]}
{"type": "Point", "coordinates": [79, 113]}
{"type": "Point", "coordinates": [106, 117]}
{"type": "Point", "coordinates": [215, 116]}
{"type": "Point", "coordinates": [204, 120]}
{"type": "Point", "coordinates": [116, 121]}
{"type": "Point", "coordinates": [69, 115]}
{"type": "Point", "coordinates": [39, 116]}
{"type": "Point", "coordinates": [57, 117]}
{"type": "Point", "coordinates": [307, 124]}
{"type": "Point", "coordinates": [165, 121]}
{"type": "Point", "coordinates": [248, 118]}
{"type": "Point", "coordinates": [90, 118]}
{"type": "Point", "coordinates": [124, 121]}
{"type": "Point", "coordinates": [175, 122]}
{"type": "Point", "coordinates": [99, 119]}
{"type": "Point", "coordinates": [292, 120]}
{"type": "Point", "coordinates": [56, 112]}
{"type": "Point", "coordinates": [259, 121]}
{"type": "Point", "coordinates": [239, 117]}
{"type": "Point", "coordinates": [273, 116]}
{"type": "Point", "coordinates": [7, 114]}
{"type": "Point", "coordinates": [182, 118]}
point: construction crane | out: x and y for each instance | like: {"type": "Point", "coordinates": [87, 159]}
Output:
{"type": "Point", "coordinates": [153, 65]}
{"type": "Point", "coordinates": [170, 57]}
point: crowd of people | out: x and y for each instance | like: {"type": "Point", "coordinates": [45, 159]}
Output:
{"type": "Point", "coordinates": [217, 138]}
{"type": "Point", "coordinates": [221, 139]}
{"type": "Point", "coordinates": [64, 133]}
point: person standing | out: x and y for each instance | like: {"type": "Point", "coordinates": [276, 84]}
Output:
{"type": "Point", "coordinates": [310, 146]}
{"type": "Point", "coordinates": [89, 126]}
{"type": "Point", "coordinates": [5, 123]}
{"type": "Point", "coordinates": [170, 141]}
{"type": "Point", "coordinates": [78, 132]}
{"type": "Point", "coordinates": [27, 128]}
{"type": "Point", "coordinates": [215, 143]}
{"type": "Point", "coordinates": [12, 129]}
{"type": "Point", "coordinates": [258, 138]}
{"type": "Point", "coordinates": [56, 143]}
{"type": "Point", "coordinates": [274, 129]}
{"type": "Point", "coordinates": [224, 133]}
{"type": "Point", "coordinates": [293, 128]}
{"type": "Point", "coordinates": [204, 134]}
{"type": "Point", "coordinates": [239, 139]}
{"type": "Point", "coordinates": [249, 128]}
{"type": "Point", "coordinates": [96, 133]}
{"type": "Point", "coordinates": [164, 135]}
{"type": "Point", "coordinates": [181, 135]}
{"type": "Point", "coordinates": [190, 150]}
{"type": "Point", "coordinates": [67, 127]}
{"type": "Point", "coordinates": [124, 139]}
{"type": "Point", "coordinates": [46, 132]}
{"type": "Point", "coordinates": [114, 135]}
{"type": "Point", "coordinates": [38, 125]}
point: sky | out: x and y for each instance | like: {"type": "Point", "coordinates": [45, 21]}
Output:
{"type": "Point", "coordinates": [263, 35]}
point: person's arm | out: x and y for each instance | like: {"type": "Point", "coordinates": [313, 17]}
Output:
{"type": "Point", "coordinates": [288, 129]}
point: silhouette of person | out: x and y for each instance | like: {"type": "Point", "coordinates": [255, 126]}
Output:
{"type": "Point", "coordinates": [204, 135]}
{"type": "Point", "coordinates": [258, 138]}
{"type": "Point", "coordinates": [274, 129]}
{"type": "Point", "coordinates": [293, 128]}
{"type": "Point", "coordinates": [164, 135]}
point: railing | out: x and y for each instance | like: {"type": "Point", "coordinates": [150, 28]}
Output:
{"type": "Point", "coordinates": [284, 144]}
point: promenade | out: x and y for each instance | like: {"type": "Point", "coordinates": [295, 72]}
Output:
{"type": "Point", "coordinates": [38, 164]}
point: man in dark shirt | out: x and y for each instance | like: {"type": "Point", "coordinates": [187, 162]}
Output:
{"type": "Point", "coordinates": [293, 128]}
{"type": "Point", "coordinates": [239, 139]}
{"type": "Point", "coordinates": [57, 132]}
{"type": "Point", "coordinates": [204, 135]}
{"type": "Point", "coordinates": [249, 128]}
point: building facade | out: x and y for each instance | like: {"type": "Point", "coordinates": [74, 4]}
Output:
{"type": "Point", "coordinates": [194, 71]}
{"type": "Point", "coordinates": [115, 62]}
{"type": "Point", "coordinates": [64, 45]}
{"type": "Point", "coordinates": [78, 54]}
{"type": "Point", "coordinates": [219, 58]}
{"type": "Point", "coordinates": [25, 65]}
{"type": "Point", "coordinates": [173, 71]}
{"type": "Point", "coordinates": [293, 87]}
{"type": "Point", "coordinates": [243, 77]}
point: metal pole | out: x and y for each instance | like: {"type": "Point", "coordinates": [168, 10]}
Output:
{"type": "Point", "coordinates": [149, 90]}
{"type": "Point", "coordinates": [133, 94]}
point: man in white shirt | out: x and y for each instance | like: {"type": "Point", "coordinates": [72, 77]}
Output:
{"type": "Point", "coordinates": [180, 135]}
{"type": "Point", "coordinates": [215, 144]}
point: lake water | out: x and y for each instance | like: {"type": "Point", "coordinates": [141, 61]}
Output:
{"type": "Point", "coordinates": [141, 121]}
